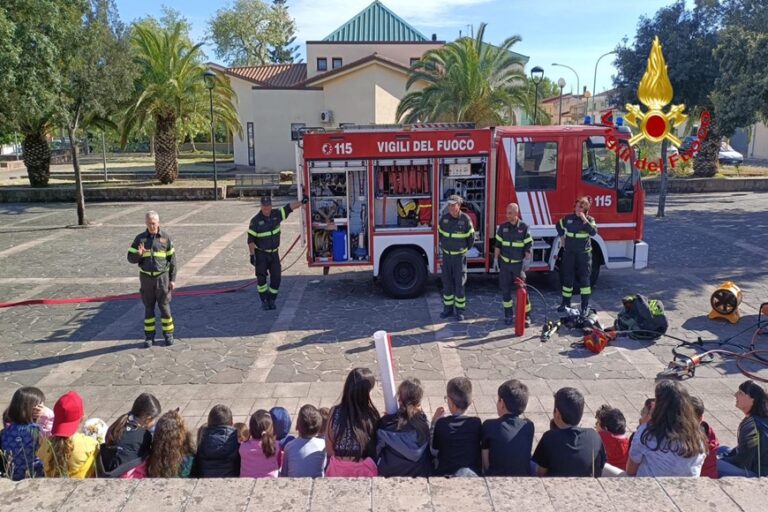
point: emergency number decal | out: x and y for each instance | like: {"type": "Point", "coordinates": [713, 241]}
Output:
{"type": "Point", "coordinates": [340, 148]}
{"type": "Point", "coordinates": [606, 200]}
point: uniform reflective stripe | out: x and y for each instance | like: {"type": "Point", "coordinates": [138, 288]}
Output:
{"type": "Point", "coordinates": [157, 254]}
{"type": "Point", "coordinates": [167, 320]}
{"type": "Point", "coordinates": [528, 307]}
{"type": "Point", "coordinates": [149, 328]}
{"type": "Point", "coordinates": [168, 327]}
{"type": "Point", "coordinates": [252, 232]}
{"type": "Point", "coordinates": [265, 233]}
{"type": "Point", "coordinates": [133, 251]}
{"type": "Point", "coordinates": [518, 244]}
{"type": "Point", "coordinates": [507, 260]}
{"type": "Point", "coordinates": [170, 252]}
{"type": "Point", "coordinates": [149, 320]}
{"type": "Point", "coordinates": [153, 274]}
{"type": "Point", "coordinates": [508, 304]}
{"type": "Point", "coordinates": [273, 291]}
{"type": "Point", "coordinates": [455, 235]}
{"type": "Point", "coordinates": [262, 288]}
{"type": "Point", "coordinates": [528, 240]}
{"type": "Point", "coordinates": [461, 302]}
{"type": "Point", "coordinates": [567, 292]}
{"type": "Point", "coordinates": [567, 289]}
{"type": "Point", "coordinates": [267, 250]}
{"type": "Point", "coordinates": [503, 242]}
{"type": "Point", "coordinates": [561, 224]}
{"type": "Point", "coordinates": [455, 253]}
{"type": "Point", "coordinates": [424, 206]}
{"type": "Point", "coordinates": [282, 212]}
{"type": "Point", "coordinates": [586, 290]}
{"type": "Point", "coordinates": [448, 300]}
{"type": "Point", "coordinates": [577, 235]}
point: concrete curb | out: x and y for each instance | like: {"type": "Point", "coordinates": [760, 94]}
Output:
{"type": "Point", "coordinates": [708, 185]}
{"type": "Point", "coordinates": [389, 494]}
{"type": "Point", "coordinates": [131, 194]}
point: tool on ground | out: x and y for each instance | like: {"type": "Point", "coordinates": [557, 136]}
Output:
{"type": "Point", "coordinates": [522, 301]}
{"type": "Point", "coordinates": [725, 302]}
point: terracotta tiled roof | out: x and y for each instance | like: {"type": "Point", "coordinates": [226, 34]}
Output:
{"type": "Point", "coordinates": [273, 75]}
{"type": "Point", "coordinates": [374, 57]}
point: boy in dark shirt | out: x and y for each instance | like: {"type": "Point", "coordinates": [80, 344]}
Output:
{"type": "Point", "coordinates": [507, 441]}
{"type": "Point", "coordinates": [569, 450]}
{"type": "Point", "coordinates": [456, 438]}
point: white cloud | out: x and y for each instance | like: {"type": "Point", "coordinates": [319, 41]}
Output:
{"type": "Point", "coordinates": [315, 19]}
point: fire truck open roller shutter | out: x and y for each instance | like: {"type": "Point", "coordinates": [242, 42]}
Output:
{"type": "Point", "coordinates": [338, 165]}
{"type": "Point", "coordinates": [403, 161]}
{"type": "Point", "coordinates": [464, 160]}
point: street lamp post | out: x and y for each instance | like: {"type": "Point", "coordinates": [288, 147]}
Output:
{"type": "Point", "coordinates": [537, 74]}
{"type": "Point", "coordinates": [594, 80]}
{"type": "Point", "coordinates": [210, 81]}
{"type": "Point", "coordinates": [578, 82]}
{"type": "Point", "coordinates": [560, 84]}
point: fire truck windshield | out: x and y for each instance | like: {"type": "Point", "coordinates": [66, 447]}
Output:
{"type": "Point", "coordinates": [602, 167]}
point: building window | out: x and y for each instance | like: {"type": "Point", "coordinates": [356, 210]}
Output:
{"type": "Point", "coordinates": [251, 144]}
{"type": "Point", "coordinates": [414, 60]}
{"type": "Point", "coordinates": [336, 63]}
{"type": "Point", "coordinates": [322, 64]}
{"type": "Point", "coordinates": [536, 166]}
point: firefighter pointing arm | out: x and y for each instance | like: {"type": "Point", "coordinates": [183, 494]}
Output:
{"type": "Point", "coordinates": [513, 245]}
{"type": "Point", "coordinates": [575, 231]}
{"type": "Point", "coordinates": [155, 254]}
{"type": "Point", "coordinates": [457, 236]}
{"type": "Point", "coordinates": [264, 246]}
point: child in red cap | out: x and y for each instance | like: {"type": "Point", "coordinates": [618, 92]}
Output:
{"type": "Point", "coordinates": [68, 453]}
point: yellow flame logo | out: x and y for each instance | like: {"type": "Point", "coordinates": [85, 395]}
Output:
{"type": "Point", "coordinates": [655, 92]}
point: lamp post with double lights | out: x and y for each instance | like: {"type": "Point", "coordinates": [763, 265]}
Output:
{"type": "Point", "coordinates": [560, 84]}
{"type": "Point", "coordinates": [594, 80]}
{"type": "Point", "coordinates": [578, 82]}
{"type": "Point", "coordinates": [537, 75]}
{"type": "Point", "coordinates": [210, 82]}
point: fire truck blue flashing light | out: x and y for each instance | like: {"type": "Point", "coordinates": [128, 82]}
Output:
{"type": "Point", "coordinates": [587, 119]}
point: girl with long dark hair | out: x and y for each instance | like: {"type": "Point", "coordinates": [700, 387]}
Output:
{"type": "Point", "coordinates": [750, 456]}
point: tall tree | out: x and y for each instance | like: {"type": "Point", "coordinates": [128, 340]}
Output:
{"type": "Point", "coordinates": [243, 34]}
{"type": "Point", "coordinates": [741, 91]}
{"type": "Point", "coordinates": [688, 39]}
{"type": "Point", "coordinates": [97, 73]}
{"type": "Point", "coordinates": [169, 85]}
{"type": "Point", "coordinates": [38, 30]}
{"type": "Point", "coordinates": [283, 28]}
{"type": "Point", "coordinates": [465, 80]}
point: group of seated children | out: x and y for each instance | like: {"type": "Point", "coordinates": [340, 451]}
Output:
{"type": "Point", "coordinates": [353, 440]}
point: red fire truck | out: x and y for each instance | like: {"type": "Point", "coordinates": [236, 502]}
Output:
{"type": "Point", "coordinates": [376, 194]}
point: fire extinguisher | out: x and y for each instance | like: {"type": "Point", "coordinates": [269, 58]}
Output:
{"type": "Point", "coordinates": [521, 302]}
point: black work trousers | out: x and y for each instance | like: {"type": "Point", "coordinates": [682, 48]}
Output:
{"type": "Point", "coordinates": [454, 277]}
{"type": "Point", "coordinates": [508, 273]}
{"type": "Point", "coordinates": [576, 271]}
{"type": "Point", "coordinates": [155, 292]}
{"type": "Point", "coordinates": [268, 263]}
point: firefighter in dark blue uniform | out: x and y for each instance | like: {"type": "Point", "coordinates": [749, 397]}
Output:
{"type": "Point", "coordinates": [575, 231]}
{"type": "Point", "coordinates": [457, 236]}
{"type": "Point", "coordinates": [513, 245]}
{"type": "Point", "coordinates": [155, 254]}
{"type": "Point", "coordinates": [264, 246]}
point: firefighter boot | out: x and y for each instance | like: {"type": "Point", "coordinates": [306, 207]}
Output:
{"type": "Point", "coordinates": [169, 339]}
{"type": "Point", "coordinates": [460, 314]}
{"type": "Point", "coordinates": [149, 339]}
{"type": "Point", "coordinates": [447, 311]}
{"type": "Point", "coordinates": [271, 301]}
{"type": "Point", "coordinates": [566, 303]}
{"type": "Point", "coordinates": [527, 319]}
{"type": "Point", "coordinates": [509, 316]}
{"type": "Point", "coordinates": [265, 304]}
{"type": "Point", "coordinates": [585, 306]}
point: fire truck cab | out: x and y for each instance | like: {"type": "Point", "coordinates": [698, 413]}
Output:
{"type": "Point", "coordinates": [377, 193]}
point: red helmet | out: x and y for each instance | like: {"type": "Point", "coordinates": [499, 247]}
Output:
{"type": "Point", "coordinates": [596, 341]}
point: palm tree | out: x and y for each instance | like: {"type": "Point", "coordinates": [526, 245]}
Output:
{"type": "Point", "coordinates": [170, 89]}
{"type": "Point", "coordinates": [467, 80]}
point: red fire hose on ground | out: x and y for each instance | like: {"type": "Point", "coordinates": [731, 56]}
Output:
{"type": "Point", "coordinates": [136, 296]}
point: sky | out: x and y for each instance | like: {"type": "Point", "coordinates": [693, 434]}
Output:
{"type": "Point", "coordinates": [553, 31]}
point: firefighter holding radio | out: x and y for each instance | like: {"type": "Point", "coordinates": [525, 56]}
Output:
{"type": "Point", "coordinates": [513, 245]}
{"type": "Point", "coordinates": [457, 236]}
{"type": "Point", "coordinates": [575, 231]}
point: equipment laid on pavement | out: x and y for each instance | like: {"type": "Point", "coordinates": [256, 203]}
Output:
{"type": "Point", "coordinates": [725, 302]}
{"type": "Point", "coordinates": [642, 318]}
{"type": "Point", "coordinates": [522, 301]}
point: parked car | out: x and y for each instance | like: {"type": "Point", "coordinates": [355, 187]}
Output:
{"type": "Point", "coordinates": [728, 155]}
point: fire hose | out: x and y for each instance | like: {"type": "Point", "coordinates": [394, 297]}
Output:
{"type": "Point", "coordinates": [136, 296]}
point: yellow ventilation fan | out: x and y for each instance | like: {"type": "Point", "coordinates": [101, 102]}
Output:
{"type": "Point", "coordinates": [725, 302]}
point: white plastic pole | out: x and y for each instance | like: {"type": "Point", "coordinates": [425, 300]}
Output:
{"type": "Point", "coordinates": [383, 345]}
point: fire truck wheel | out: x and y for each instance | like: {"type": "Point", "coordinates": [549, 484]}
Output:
{"type": "Point", "coordinates": [403, 274]}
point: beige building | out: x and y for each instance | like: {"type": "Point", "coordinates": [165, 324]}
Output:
{"type": "Point", "coordinates": [357, 74]}
{"type": "Point", "coordinates": [574, 107]}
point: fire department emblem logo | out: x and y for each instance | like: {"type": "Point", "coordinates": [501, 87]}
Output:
{"type": "Point", "coordinates": [327, 149]}
{"type": "Point", "coordinates": [655, 92]}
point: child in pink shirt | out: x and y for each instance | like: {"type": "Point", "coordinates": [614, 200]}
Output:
{"type": "Point", "coordinates": [261, 455]}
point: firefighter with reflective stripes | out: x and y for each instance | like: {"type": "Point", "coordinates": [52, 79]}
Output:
{"type": "Point", "coordinates": [513, 245]}
{"type": "Point", "coordinates": [264, 246]}
{"type": "Point", "coordinates": [457, 236]}
{"type": "Point", "coordinates": [575, 231]}
{"type": "Point", "coordinates": [155, 254]}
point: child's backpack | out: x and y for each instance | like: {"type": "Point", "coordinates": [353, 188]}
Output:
{"type": "Point", "coordinates": [644, 318]}
{"type": "Point", "coordinates": [19, 451]}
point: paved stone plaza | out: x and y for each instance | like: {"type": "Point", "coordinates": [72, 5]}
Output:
{"type": "Point", "coordinates": [230, 351]}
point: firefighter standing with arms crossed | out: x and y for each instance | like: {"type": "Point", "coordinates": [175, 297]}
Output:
{"type": "Point", "coordinates": [513, 245]}
{"type": "Point", "coordinates": [575, 231]}
{"type": "Point", "coordinates": [264, 245]}
{"type": "Point", "coordinates": [155, 254]}
{"type": "Point", "coordinates": [457, 236]}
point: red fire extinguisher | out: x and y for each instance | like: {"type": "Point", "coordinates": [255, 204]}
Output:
{"type": "Point", "coordinates": [521, 302]}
